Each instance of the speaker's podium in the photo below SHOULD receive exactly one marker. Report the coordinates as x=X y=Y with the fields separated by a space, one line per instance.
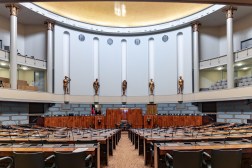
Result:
x=99 y=122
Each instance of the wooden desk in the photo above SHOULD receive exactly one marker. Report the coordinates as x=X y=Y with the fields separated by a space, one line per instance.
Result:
x=106 y=138
x=143 y=138
x=160 y=149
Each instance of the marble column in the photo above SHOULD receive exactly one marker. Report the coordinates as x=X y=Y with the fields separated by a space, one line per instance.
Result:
x=230 y=48
x=13 y=45
x=196 y=56
x=49 y=56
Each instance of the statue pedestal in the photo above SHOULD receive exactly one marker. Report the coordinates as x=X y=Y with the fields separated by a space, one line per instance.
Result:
x=180 y=98
x=151 y=98
x=66 y=98
x=96 y=98
x=124 y=99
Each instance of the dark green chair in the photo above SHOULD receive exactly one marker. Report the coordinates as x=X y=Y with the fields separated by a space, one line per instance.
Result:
x=184 y=159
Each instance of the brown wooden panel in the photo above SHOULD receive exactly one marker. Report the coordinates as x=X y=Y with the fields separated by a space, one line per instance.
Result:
x=151 y=109
x=99 y=122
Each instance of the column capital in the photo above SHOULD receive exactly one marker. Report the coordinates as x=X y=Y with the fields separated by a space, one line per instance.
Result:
x=230 y=11
x=196 y=26
x=13 y=9
x=49 y=24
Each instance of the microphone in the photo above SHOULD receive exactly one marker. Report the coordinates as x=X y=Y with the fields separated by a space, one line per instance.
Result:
x=195 y=140
x=73 y=137
x=42 y=143
x=11 y=140
x=229 y=133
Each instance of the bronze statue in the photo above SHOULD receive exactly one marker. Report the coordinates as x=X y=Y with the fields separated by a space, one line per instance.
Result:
x=151 y=86
x=66 y=81
x=180 y=85
x=96 y=86
x=124 y=87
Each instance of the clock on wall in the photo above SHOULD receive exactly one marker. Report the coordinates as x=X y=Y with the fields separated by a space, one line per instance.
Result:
x=81 y=37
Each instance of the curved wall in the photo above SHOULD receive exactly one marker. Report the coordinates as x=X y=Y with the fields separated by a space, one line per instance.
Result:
x=149 y=56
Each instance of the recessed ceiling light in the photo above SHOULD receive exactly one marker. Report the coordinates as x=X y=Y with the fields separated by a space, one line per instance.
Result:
x=245 y=68
x=3 y=63
x=24 y=68
x=219 y=68
x=239 y=64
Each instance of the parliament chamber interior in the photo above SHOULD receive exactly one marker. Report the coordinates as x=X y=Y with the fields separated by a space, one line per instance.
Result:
x=118 y=84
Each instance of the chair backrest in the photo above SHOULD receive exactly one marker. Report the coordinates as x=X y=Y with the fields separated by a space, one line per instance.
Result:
x=192 y=159
x=68 y=160
x=226 y=158
x=29 y=160
x=87 y=141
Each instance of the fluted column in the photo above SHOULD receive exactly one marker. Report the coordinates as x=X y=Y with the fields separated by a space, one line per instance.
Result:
x=13 y=45
x=230 y=47
x=196 y=56
x=49 y=56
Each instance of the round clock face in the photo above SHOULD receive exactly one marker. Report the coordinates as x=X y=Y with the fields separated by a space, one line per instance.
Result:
x=110 y=41
x=81 y=37
x=137 y=41
x=165 y=38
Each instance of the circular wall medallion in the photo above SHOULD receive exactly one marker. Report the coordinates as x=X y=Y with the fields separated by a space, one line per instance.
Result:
x=81 y=37
x=110 y=41
x=137 y=41
x=165 y=38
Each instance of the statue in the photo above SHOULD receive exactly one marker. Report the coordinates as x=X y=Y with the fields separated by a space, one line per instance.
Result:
x=66 y=81
x=151 y=86
x=96 y=86
x=124 y=87
x=180 y=85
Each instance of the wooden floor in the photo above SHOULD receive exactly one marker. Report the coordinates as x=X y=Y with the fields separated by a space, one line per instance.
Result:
x=125 y=155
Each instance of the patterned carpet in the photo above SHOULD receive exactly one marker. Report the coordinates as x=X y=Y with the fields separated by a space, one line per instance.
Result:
x=125 y=155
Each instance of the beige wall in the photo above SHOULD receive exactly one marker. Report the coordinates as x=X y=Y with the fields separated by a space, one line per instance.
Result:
x=4 y=73
x=26 y=75
x=209 y=77
x=243 y=73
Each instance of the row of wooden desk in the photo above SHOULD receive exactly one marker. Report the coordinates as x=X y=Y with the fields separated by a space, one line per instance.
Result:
x=62 y=140
x=143 y=139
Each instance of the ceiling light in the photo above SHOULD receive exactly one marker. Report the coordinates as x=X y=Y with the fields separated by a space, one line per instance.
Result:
x=24 y=68
x=219 y=68
x=245 y=68
x=3 y=63
x=119 y=9
x=239 y=64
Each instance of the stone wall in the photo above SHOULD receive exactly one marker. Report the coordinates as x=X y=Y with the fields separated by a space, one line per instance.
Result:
x=84 y=109
x=234 y=111
x=14 y=113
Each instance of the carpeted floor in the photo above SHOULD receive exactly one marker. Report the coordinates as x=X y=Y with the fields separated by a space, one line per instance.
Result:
x=125 y=155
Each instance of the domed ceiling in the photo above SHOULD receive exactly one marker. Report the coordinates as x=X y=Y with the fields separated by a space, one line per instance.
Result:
x=123 y=14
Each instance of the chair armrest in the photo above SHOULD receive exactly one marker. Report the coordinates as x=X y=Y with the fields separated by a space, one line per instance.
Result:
x=206 y=159
x=169 y=156
x=168 y=159
x=89 y=159
x=207 y=155
x=7 y=158
x=49 y=157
